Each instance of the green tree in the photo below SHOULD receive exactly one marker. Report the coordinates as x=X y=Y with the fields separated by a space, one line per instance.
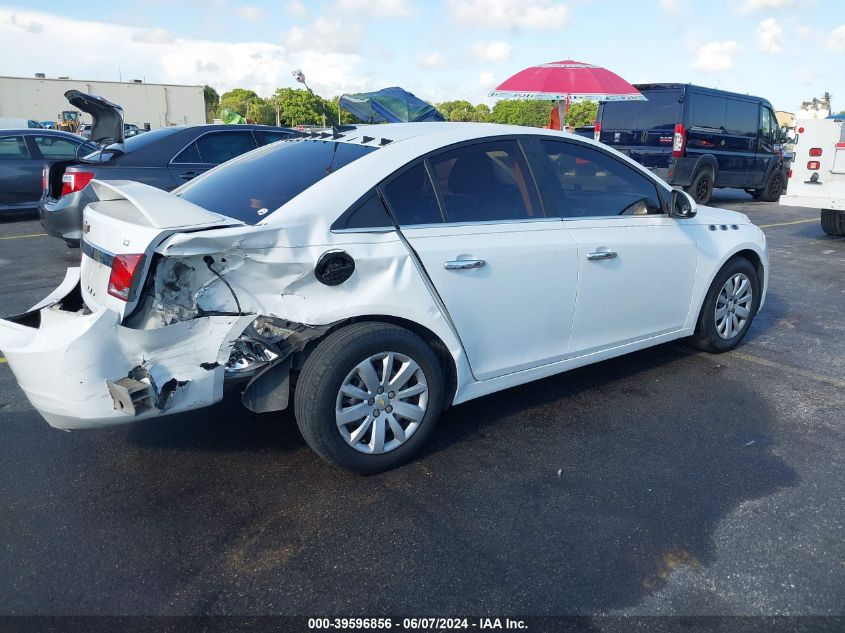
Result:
x=212 y=102
x=530 y=112
x=262 y=111
x=582 y=113
x=482 y=112
x=297 y=106
x=238 y=100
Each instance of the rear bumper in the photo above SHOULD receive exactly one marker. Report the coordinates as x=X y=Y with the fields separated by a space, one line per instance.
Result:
x=64 y=361
x=62 y=218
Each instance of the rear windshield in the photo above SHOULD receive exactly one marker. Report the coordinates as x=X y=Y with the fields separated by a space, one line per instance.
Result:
x=660 y=112
x=252 y=187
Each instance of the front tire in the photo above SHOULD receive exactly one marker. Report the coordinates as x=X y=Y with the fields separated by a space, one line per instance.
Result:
x=773 y=187
x=729 y=307
x=369 y=396
x=833 y=222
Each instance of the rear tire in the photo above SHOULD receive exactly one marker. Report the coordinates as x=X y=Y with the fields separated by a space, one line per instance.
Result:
x=833 y=222
x=384 y=428
x=773 y=187
x=726 y=315
x=701 y=187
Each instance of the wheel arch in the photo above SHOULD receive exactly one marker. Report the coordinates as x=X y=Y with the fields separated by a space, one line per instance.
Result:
x=744 y=251
x=707 y=161
x=433 y=340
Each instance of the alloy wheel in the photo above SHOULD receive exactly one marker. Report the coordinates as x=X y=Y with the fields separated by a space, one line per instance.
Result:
x=733 y=306
x=381 y=402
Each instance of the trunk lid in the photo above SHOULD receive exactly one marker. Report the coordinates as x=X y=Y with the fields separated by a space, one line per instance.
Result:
x=130 y=218
x=107 y=117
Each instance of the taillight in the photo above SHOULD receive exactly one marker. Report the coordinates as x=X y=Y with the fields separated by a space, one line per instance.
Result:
x=789 y=174
x=75 y=181
x=123 y=271
x=597 y=131
x=813 y=165
x=800 y=130
x=45 y=177
x=679 y=140
x=815 y=151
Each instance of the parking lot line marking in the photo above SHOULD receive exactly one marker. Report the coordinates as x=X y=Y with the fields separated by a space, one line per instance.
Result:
x=766 y=226
x=831 y=380
x=20 y=237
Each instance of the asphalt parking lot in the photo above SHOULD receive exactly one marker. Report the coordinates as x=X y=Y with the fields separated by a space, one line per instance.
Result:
x=669 y=481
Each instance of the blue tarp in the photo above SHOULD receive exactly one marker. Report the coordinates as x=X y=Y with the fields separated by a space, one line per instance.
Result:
x=389 y=105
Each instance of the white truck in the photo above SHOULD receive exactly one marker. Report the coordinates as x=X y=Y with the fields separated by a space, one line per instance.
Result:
x=817 y=174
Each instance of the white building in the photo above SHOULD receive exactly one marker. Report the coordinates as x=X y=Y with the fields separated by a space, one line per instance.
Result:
x=160 y=105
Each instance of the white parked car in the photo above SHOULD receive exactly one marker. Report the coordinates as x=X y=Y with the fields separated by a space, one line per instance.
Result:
x=377 y=276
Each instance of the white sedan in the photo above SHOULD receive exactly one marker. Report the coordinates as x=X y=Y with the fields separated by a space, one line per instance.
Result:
x=376 y=276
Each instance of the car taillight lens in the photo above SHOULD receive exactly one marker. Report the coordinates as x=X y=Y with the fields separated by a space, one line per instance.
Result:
x=815 y=151
x=597 y=131
x=789 y=174
x=45 y=177
x=813 y=165
x=75 y=181
x=123 y=271
x=679 y=140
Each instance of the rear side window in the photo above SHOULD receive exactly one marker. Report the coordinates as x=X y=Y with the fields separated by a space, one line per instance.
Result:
x=591 y=183
x=218 y=147
x=707 y=111
x=56 y=148
x=13 y=148
x=256 y=185
x=412 y=198
x=188 y=155
x=368 y=214
x=272 y=137
x=661 y=112
x=486 y=182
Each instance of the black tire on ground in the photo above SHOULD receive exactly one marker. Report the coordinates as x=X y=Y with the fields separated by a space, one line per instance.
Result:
x=773 y=188
x=701 y=187
x=706 y=337
x=325 y=370
x=833 y=222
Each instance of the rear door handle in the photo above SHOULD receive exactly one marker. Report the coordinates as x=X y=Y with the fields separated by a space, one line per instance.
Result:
x=188 y=175
x=464 y=264
x=598 y=255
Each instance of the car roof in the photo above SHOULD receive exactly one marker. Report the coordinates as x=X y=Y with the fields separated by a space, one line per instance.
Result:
x=35 y=131
x=713 y=91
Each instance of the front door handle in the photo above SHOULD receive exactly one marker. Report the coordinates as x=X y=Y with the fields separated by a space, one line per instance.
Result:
x=187 y=175
x=598 y=255
x=464 y=264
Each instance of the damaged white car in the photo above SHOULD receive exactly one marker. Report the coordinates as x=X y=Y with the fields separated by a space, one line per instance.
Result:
x=372 y=277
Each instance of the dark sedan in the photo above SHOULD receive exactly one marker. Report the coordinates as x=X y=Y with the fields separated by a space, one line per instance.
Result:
x=23 y=155
x=164 y=158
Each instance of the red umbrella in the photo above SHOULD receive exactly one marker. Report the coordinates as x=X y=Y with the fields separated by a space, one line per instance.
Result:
x=567 y=81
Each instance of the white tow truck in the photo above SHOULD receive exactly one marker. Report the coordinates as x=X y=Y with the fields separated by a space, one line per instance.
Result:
x=817 y=174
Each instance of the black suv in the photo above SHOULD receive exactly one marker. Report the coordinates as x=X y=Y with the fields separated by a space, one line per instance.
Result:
x=699 y=138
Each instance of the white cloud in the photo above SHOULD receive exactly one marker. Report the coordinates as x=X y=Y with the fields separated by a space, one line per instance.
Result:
x=512 y=14
x=751 y=6
x=716 y=56
x=433 y=60
x=487 y=80
x=323 y=34
x=296 y=8
x=13 y=20
x=495 y=51
x=249 y=13
x=836 y=39
x=672 y=7
x=377 y=8
x=803 y=31
x=57 y=49
x=156 y=35
x=769 y=36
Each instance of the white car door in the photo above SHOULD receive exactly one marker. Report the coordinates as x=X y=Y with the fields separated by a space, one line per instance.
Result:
x=506 y=274
x=636 y=265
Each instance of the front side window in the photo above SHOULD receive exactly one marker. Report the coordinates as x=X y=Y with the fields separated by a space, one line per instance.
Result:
x=255 y=186
x=486 y=182
x=13 y=148
x=588 y=183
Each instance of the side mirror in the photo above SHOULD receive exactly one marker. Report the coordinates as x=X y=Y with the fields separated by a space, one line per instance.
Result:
x=681 y=205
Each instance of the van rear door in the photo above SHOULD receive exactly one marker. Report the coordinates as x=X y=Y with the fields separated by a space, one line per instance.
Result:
x=643 y=129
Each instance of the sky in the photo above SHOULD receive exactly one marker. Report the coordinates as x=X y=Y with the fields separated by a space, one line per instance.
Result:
x=787 y=51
